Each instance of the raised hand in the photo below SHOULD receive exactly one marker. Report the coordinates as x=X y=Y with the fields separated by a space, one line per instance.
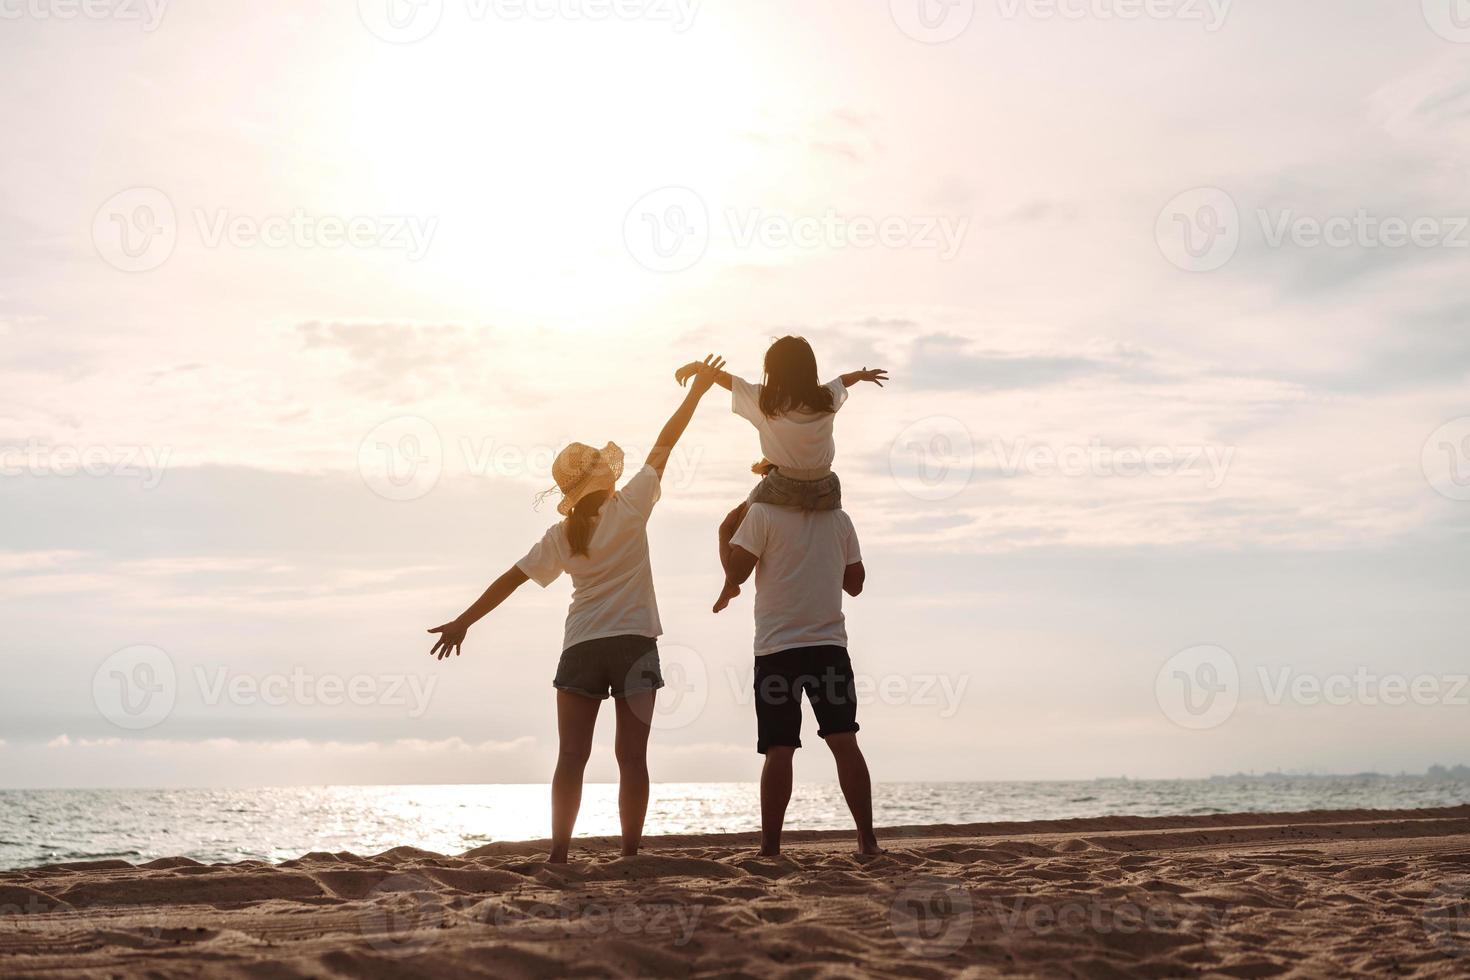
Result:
x=875 y=375
x=451 y=635
x=686 y=372
x=706 y=373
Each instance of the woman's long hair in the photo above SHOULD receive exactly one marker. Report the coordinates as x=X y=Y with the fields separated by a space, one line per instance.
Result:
x=791 y=383
x=581 y=522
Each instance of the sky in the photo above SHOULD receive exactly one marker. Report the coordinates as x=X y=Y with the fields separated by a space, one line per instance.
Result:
x=298 y=300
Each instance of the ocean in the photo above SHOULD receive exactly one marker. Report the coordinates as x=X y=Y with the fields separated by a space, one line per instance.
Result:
x=226 y=825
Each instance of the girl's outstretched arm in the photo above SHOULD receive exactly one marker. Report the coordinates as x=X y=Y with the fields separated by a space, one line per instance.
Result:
x=706 y=374
x=722 y=378
x=451 y=634
x=875 y=375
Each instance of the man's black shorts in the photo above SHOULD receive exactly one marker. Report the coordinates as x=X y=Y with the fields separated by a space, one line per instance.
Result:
x=824 y=673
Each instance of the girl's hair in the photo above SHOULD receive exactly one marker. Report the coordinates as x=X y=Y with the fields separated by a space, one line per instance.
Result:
x=580 y=523
x=791 y=383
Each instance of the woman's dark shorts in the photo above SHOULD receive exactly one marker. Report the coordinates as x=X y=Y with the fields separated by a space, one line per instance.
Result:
x=824 y=673
x=616 y=665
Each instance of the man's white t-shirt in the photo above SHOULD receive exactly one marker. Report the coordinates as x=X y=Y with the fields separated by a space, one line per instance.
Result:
x=796 y=440
x=798 y=583
x=612 y=585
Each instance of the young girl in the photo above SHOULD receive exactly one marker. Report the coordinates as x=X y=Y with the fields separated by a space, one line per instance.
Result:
x=610 y=645
x=793 y=412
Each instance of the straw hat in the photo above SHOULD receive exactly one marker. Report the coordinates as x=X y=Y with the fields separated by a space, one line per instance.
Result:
x=579 y=470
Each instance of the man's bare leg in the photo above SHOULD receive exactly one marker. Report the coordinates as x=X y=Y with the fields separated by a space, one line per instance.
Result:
x=775 y=794
x=857 y=788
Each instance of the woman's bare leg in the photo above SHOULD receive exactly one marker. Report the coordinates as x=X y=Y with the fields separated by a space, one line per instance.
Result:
x=634 y=713
x=576 y=717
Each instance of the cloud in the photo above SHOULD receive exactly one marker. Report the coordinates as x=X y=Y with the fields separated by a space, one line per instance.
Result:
x=944 y=362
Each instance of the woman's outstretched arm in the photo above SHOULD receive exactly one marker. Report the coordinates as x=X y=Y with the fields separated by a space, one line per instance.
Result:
x=706 y=375
x=722 y=378
x=451 y=634
x=875 y=375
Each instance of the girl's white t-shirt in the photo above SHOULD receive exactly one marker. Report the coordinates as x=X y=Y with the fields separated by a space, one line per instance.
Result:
x=795 y=440
x=612 y=585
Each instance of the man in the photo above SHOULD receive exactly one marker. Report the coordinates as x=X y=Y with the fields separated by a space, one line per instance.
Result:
x=803 y=562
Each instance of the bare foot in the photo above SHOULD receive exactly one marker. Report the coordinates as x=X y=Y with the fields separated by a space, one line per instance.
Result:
x=730 y=591
x=869 y=847
x=769 y=853
x=557 y=857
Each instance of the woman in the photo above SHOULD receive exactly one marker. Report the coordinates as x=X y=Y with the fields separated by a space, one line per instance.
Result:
x=610 y=644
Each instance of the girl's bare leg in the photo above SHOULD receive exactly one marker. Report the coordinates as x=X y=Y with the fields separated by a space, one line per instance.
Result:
x=728 y=527
x=634 y=713
x=576 y=717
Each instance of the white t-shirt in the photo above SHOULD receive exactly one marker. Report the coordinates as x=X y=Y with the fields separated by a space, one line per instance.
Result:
x=612 y=585
x=798 y=583
x=796 y=440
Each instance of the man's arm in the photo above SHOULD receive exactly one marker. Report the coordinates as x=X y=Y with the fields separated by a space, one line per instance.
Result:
x=853 y=577
x=875 y=375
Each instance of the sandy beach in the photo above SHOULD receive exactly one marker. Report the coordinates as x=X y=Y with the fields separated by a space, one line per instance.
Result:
x=1322 y=894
